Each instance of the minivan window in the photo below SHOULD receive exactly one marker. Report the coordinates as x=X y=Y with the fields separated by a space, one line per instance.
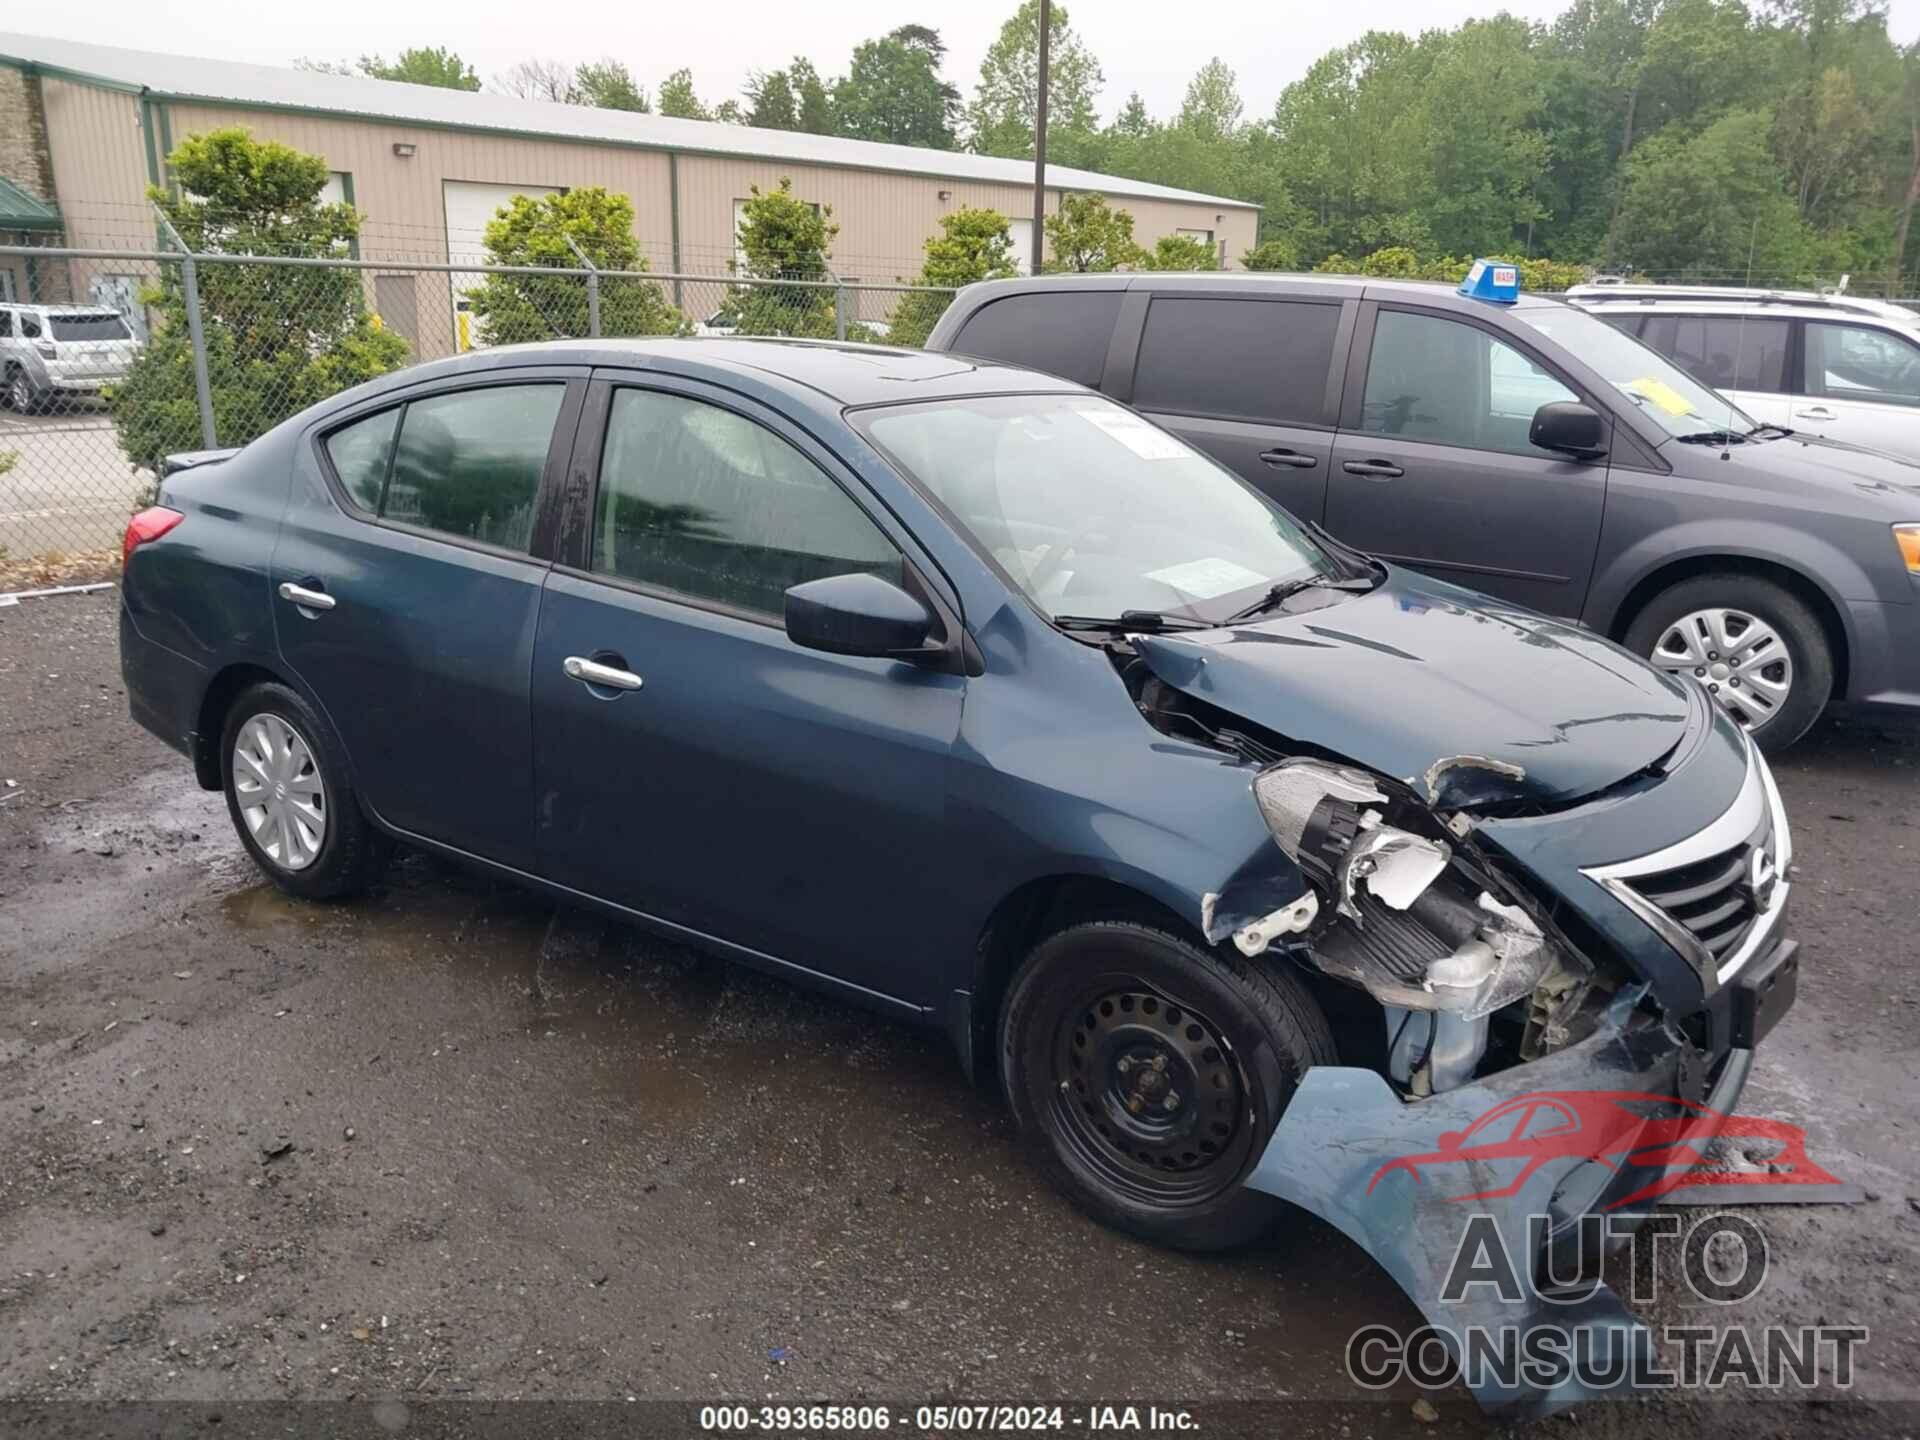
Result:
x=1091 y=510
x=1730 y=352
x=707 y=503
x=1064 y=332
x=1452 y=384
x=469 y=463
x=1258 y=360
x=1662 y=391
x=93 y=326
x=1853 y=362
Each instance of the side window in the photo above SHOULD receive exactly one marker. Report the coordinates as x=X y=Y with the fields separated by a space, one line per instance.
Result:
x=1853 y=362
x=6 y=324
x=706 y=503
x=1627 y=322
x=466 y=464
x=1728 y=352
x=360 y=453
x=1452 y=384
x=1064 y=332
x=29 y=325
x=1259 y=360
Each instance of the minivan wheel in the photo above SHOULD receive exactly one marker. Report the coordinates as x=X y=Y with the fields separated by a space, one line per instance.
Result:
x=287 y=791
x=1150 y=1072
x=1755 y=645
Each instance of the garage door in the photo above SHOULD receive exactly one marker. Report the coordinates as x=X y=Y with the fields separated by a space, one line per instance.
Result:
x=470 y=204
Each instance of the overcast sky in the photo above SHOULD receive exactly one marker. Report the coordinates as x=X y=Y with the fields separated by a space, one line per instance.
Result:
x=1145 y=45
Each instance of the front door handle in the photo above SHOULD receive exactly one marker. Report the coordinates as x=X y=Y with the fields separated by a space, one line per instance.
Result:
x=1374 y=469
x=1814 y=412
x=592 y=672
x=306 y=599
x=1288 y=459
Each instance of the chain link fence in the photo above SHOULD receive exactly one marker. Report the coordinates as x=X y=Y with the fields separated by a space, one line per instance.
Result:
x=110 y=360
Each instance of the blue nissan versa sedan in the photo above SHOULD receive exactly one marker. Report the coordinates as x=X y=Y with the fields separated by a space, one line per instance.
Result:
x=1243 y=862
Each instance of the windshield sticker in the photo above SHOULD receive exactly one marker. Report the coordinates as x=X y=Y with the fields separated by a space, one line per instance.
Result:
x=1205 y=579
x=1659 y=393
x=1136 y=434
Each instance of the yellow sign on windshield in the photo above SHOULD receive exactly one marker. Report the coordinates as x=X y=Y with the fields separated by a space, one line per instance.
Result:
x=1660 y=393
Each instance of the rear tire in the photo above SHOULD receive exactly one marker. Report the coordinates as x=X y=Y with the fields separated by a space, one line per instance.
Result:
x=1110 y=1012
x=1754 y=644
x=285 y=777
x=21 y=398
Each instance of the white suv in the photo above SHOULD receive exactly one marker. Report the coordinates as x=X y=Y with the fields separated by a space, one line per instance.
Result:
x=53 y=353
x=1838 y=366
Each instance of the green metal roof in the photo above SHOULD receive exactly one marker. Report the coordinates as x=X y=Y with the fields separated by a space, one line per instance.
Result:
x=20 y=211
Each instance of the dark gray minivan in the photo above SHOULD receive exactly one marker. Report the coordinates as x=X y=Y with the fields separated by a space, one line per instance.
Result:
x=1526 y=449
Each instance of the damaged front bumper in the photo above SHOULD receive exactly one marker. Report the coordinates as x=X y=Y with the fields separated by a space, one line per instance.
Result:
x=1343 y=1145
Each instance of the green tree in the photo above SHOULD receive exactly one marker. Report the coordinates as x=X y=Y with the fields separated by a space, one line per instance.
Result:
x=535 y=231
x=423 y=65
x=783 y=237
x=1088 y=234
x=1272 y=255
x=1001 y=117
x=972 y=245
x=771 y=102
x=893 y=91
x=1212 y=107
x=278 y=338
x=812 y=98
x=607 y=84
x=677 y=97
x=1712 y=206
x=1182 y=252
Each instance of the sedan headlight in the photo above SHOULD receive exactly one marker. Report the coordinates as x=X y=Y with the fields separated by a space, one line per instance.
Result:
x=1907 y=537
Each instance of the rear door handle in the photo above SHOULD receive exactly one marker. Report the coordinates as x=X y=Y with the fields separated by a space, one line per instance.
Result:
x=306 y=599
x=592 y=672
x=1290 y=459
x=1815 y=412
x=1377 y=469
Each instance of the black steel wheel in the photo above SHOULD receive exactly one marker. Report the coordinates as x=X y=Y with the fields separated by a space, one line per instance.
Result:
x=1151 y=1071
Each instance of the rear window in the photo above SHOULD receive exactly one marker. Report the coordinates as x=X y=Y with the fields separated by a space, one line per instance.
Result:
x=1262 y=360
x=99 y=325
x=1064 y=332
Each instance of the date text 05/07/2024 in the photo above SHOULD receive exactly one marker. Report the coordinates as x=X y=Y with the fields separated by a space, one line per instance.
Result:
x=985 y=1419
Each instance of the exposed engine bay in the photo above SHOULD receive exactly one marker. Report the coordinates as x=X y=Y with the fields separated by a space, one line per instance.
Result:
x=1470 y=975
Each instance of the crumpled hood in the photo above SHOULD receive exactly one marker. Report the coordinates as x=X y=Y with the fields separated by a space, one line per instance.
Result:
x=1468 y=700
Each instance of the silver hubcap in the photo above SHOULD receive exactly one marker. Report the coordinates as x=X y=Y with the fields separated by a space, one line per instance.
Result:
x=21 y=395
x=277 y=782
x=1739 y=657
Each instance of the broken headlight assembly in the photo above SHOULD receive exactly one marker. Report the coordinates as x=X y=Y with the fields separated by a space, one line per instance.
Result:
x=1401 y=907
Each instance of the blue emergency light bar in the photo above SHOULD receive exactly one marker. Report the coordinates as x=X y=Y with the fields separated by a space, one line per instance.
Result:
x=1492 y=281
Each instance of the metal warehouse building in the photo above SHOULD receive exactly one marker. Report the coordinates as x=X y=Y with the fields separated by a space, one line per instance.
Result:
x=84 y=129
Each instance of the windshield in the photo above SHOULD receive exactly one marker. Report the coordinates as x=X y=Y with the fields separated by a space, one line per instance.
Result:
x=95 y=325
x=1091 y=510
x=1665 y=393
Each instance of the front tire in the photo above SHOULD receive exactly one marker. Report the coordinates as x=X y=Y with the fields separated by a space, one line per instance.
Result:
x=1150 y=1073
x=285 y=777
x=1756 y=646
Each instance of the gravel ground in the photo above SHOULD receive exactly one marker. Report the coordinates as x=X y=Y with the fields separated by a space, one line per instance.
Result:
x=453 y=1143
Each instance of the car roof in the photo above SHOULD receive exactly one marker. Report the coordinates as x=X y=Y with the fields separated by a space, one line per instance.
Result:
x=1440 y=293
x=845 y=373
x=1730 y=300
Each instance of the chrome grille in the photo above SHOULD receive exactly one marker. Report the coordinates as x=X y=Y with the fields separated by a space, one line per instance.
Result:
x=1717 y=895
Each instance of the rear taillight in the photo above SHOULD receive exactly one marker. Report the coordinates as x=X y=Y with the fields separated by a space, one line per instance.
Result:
x=150 y=524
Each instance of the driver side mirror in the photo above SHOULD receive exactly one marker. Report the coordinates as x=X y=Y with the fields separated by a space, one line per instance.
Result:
x=1570 y=427
x=858 y=614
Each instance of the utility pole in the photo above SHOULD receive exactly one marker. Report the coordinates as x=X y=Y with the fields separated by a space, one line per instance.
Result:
x=1040 y=142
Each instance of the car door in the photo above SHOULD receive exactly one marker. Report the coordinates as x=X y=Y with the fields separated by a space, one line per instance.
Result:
x=731 y=782
x=1432 y=467
x=406 y=583
x=1744 y=357
x=1251 y=381
x=1862 y=385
